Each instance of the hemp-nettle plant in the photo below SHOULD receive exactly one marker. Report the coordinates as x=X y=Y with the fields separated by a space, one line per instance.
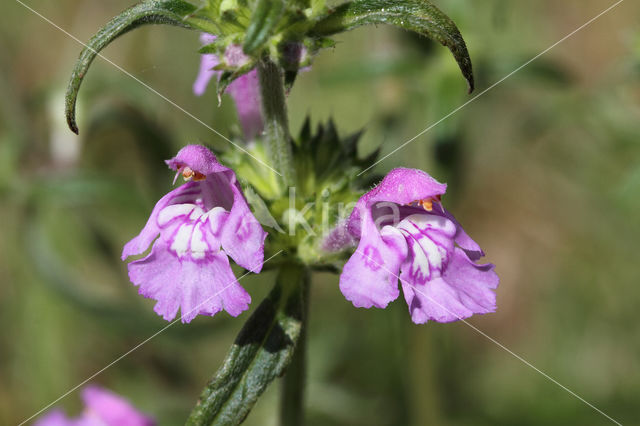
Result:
x=293 y=204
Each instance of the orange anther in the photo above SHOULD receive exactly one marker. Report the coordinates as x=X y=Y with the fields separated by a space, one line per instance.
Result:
x=187 y=174
x=427 y=203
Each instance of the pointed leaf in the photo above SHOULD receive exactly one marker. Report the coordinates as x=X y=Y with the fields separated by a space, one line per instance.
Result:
x=265 y=17
x=419 y=16
x=172 y=12
x=260 y=209
x=229 y=75
x=262 y=351
x=305 y=131
x=289 y=79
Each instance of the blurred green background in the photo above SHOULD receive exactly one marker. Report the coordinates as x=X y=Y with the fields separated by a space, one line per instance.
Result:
x=543 y=171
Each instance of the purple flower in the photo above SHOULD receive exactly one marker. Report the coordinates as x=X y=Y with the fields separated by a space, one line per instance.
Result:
x=245 y=90
x=200 y=223
x=406 y=234
x=102 y=408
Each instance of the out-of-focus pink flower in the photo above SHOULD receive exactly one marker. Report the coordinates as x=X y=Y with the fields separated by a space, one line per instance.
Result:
x=102 y=408
x=245 y=90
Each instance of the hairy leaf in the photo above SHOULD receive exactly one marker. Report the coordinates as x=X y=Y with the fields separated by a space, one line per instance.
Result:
x=419 y=16
x=171 y=12
x=261 y=352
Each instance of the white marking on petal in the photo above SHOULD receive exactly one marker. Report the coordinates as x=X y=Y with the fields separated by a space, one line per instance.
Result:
x=198 y=244
x=421 y=262
x=430 y=221
x=196 y=214
x=390 y=231
x=215 y=216
x=427 y=254
x=182 y=239
x=186 y=197
x=426 y=234
x=190 y=229
x=169 y=213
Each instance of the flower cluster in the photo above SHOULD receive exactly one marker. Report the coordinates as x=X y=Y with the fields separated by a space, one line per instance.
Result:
x=398 y=232
x=403 y=233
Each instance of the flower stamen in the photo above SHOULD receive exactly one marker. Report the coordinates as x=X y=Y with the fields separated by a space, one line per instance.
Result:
x=188 y=173
x=427 y=203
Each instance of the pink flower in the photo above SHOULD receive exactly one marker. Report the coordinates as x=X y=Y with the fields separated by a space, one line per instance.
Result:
x=405 y=233
x=245 y=90
x=199 y=225
x=102 y=408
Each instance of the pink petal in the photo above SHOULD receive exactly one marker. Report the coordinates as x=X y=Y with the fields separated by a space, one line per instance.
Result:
x=369 y=278
x=55 y=417
x=401 y=186
x=206 y=73
x=465 y=242
x=142 y=241
x=112 y=409
x=195 y=287
x=242 y=235
x=246 y=95
x=198 y=158
x=463 y=290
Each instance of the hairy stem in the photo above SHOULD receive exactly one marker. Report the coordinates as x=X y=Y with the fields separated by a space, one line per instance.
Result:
x=293 y=384
x=276 y=123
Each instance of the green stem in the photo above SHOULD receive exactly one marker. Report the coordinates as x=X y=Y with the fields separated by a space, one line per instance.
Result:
x=293 y=383
x=276 y=124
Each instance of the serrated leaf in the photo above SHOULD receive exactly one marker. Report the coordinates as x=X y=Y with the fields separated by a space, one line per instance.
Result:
x=171 y=12
x=262 y=351
x=419 y=16
x=264 y=19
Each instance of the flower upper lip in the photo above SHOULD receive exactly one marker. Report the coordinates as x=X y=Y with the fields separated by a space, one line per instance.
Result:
x=198 y=159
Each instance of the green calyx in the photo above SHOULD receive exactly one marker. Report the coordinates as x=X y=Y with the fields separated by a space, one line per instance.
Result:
x=325 y=189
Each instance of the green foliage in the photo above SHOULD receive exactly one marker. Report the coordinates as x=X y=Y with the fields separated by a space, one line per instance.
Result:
x=266 y=16
x=543 y=172
x=266 y=28
x=170 y=12
x=327 y=182
x=263 y=350
x=419 y=16
x=328 y=160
